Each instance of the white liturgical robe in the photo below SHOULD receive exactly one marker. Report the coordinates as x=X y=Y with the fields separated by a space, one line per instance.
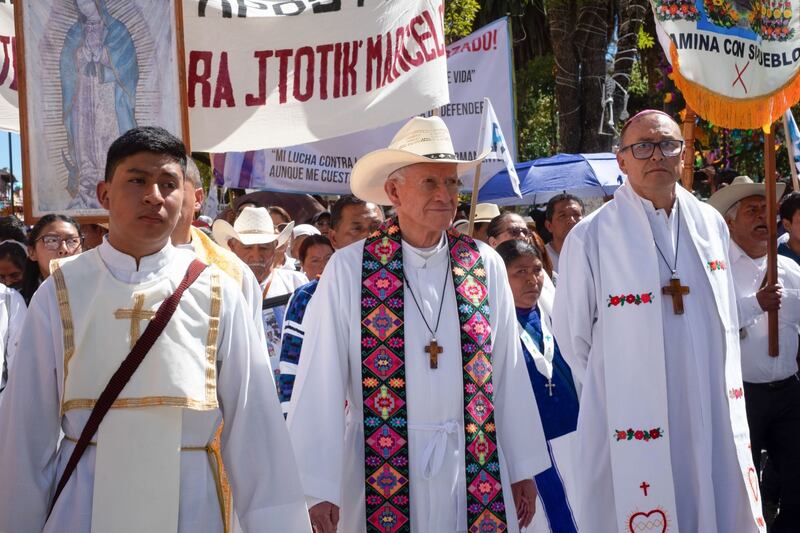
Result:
x=709 y=490
x=255 y=446
x=328 y=438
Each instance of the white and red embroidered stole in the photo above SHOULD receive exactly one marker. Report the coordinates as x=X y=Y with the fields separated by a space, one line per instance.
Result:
x=635 y=372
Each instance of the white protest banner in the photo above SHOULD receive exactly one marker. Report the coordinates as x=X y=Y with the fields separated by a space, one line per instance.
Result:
x=9 y=100
x=479 y=65
x=281 y=73
x=736 y=62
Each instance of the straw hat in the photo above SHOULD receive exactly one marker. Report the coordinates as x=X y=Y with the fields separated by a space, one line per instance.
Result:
x=741 y=187
x=421 y=140
x=252 y=226
x=483 y=213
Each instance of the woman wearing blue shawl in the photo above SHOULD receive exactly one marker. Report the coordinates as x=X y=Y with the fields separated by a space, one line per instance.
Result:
x=551 y=379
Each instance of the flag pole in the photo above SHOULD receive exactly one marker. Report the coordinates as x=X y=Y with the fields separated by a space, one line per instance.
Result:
x=474 y=202
x=790 y=150
x=772 y=235
x=687 y=179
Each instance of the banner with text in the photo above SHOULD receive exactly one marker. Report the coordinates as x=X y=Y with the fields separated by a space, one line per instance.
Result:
x=735 y=62
x=478 y=66
x=272 y=74
x=9 y=100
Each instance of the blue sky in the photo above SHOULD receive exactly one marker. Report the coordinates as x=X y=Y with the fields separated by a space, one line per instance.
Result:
x=15 y=154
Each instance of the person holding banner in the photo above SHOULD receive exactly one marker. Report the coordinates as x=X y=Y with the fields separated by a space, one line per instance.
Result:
x=441 y=432
x=646 y=314
x=137 y=387
x=771 y=385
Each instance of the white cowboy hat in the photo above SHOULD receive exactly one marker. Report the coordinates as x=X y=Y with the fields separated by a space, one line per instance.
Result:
x=483 y=213
x=421 y=140
x=741 y=187
x=304 y=229
x=252 y=226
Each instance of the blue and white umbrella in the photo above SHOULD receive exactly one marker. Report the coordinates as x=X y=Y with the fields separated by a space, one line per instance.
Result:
x=584 y=175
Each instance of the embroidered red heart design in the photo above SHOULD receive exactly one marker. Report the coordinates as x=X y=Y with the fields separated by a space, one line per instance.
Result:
x=752 y=479
x=653 y=521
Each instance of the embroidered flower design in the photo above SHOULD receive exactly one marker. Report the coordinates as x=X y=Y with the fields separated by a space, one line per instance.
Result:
x=471 y=428
x=638 y=434
x=736 y=394
x=470 y=388
x=369 y=342
x=395 y=343
x=373 y=461
x=374 y=500
x=370 y=383
x=630 y=299
x=713 y=266
x=397 y=383
x=369 y=302
x=400 y=499
x=489 y=427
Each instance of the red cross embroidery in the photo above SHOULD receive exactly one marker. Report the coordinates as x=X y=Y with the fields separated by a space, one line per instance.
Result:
x=739 y=74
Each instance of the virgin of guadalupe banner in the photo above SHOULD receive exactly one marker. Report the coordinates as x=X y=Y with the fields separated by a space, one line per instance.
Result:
x=282 y=73
x=93 y=69
x=735 y=61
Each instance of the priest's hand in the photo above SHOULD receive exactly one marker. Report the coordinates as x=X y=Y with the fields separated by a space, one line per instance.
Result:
x=769 y=297
x=524 y=500
x=324 y=517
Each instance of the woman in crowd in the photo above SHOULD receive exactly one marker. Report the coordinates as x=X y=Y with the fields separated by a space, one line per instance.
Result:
x=314 y=254
x=13 y=256
x=52 y=237
x=509 y=225
x=551 y=379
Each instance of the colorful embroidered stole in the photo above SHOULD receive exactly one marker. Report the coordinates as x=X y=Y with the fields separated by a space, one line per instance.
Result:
x=386 y=456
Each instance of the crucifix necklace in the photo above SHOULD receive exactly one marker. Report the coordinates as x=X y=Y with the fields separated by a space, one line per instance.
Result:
x=433 y=349
x=674 y=289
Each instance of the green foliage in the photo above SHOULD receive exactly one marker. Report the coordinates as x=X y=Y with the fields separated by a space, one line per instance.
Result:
x=537 y=125
x=459 y=17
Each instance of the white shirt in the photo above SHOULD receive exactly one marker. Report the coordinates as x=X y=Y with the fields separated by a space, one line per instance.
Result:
x=329 y=440
x=757 y=365
x=255 y=445
x=12 y=316
x=553 y=255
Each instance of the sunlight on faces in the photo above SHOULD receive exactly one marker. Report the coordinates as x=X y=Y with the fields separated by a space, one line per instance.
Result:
x=144 y=200
x=356 y=223
x=749 y=227
x=259 y=257
x=425 y=195
x=514 y=227
x=526 y=277
x=42 y=255
x=317 y=256
x=656 y=173
x=10 y=274
x=566 y=214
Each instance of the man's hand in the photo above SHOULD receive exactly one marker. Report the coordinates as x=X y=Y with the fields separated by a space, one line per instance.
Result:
x=769 y=298
x=324 y=517
x=524 y=500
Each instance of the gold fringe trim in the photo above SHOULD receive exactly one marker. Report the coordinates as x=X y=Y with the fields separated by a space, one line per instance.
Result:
x=67 y=328
x=735 y=113
x=148 y=401
x=211 y=340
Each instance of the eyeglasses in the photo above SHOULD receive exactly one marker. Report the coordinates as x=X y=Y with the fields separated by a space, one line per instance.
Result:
x=644 y=150
x=53 y=242
x=518 y=231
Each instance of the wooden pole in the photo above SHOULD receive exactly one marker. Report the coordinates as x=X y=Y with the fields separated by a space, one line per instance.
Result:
x=772 y=235
x=474 y=202
x=687 y=179
x=790 y=151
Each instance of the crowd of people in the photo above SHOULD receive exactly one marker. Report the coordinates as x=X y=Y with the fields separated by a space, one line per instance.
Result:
x=376 y=369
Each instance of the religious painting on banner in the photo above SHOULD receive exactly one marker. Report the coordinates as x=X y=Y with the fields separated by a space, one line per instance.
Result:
x=91 y=70
x=735 y=61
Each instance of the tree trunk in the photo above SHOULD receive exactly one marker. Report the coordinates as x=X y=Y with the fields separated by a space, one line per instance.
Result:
x=562 y=21
x=632 y=14
x=592 y=36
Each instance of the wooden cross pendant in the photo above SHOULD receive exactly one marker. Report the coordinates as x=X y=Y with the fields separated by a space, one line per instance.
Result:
x=434 y=350
x=550 y=386
x=135 y=315
x=676 y=290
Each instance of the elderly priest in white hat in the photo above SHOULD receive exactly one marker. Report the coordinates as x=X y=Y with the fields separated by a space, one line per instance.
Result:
x=254 y=240
x=414 y=333
x=771 y=386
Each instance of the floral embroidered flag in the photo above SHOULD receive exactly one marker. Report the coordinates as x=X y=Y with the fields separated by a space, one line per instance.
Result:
x=735 y=61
